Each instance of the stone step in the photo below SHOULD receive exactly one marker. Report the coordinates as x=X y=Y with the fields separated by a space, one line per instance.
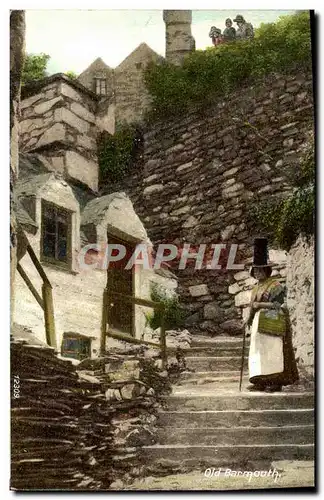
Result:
x=219 y=363
x=201 y=378
x=224 y=456
x=210 y=351
x=237 y=435
x=230 y=418
x=221 y=341
x=199 y=399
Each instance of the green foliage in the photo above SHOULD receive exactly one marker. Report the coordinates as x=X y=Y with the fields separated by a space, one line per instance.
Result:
x=35 y=67
x=71 y=75
x=174 y=315
x=216 y=71
x=117 y=153
x=284 y=219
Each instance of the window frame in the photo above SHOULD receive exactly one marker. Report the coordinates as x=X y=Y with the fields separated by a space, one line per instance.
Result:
x=100 y=81
x=65 y=264
x=78 y=354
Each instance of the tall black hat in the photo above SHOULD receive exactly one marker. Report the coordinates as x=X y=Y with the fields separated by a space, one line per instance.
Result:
x=260 y=255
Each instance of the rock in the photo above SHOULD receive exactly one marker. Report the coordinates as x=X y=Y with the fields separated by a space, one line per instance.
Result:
x=86 y=142
x=66 y=116
x=242 y=275
x=180 y=211
x=55 y=133
x=150 y=392
x=40 y=109
x=250 y=282
x=234 y=326
x=191 y=222
x=235 y=188
x=212 y=311
x=243 y=298
x=117 y=485
x=130 y=391
x=228 y=232
x=82 y=112
x=184 y=166
x=193 y=319
x=198 y=290
x=233 y=289
x=230 y=172
x=140 y=437
x=155 y=188
x=151 y=178
x=210 y=326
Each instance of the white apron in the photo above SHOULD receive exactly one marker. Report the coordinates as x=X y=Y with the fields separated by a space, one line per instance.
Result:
x=266 y=352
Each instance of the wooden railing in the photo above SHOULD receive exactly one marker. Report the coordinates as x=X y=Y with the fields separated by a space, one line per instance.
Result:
x=108 y=298
x=46 y=300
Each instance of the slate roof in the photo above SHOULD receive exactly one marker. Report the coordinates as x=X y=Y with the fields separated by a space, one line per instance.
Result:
x=30 y=165
x=30 y=186
x=23 y=217
x=143 y=51
x=96 y=209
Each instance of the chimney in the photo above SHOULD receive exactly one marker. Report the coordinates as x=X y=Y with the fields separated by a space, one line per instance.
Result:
x=178 y=39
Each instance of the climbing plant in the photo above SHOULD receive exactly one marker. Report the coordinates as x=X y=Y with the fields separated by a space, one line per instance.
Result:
x=117 y=153
x=216 y=71
x=284 y=219
x=174 y=314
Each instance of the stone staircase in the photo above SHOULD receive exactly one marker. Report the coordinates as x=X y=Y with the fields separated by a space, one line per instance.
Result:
x=207 y=422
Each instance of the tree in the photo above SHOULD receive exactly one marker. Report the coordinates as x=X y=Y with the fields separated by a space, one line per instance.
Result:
x=71 y=75
x=35 y=67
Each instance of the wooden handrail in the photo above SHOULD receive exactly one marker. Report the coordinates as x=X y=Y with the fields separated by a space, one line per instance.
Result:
x=46 y=301
x=38 y=265
x=136 y=300
x=30 y=285
x=109 y=295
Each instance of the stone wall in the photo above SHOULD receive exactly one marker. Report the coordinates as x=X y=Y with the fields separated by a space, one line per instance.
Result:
x=200 y=172
x=62 y=120
x=178 y=38
x=300 y=301
x=17 y=48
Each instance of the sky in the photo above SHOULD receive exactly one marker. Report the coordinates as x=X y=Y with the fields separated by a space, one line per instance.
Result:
x=75 y=38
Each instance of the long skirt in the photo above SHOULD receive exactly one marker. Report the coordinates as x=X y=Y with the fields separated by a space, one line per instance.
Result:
x=271 y=358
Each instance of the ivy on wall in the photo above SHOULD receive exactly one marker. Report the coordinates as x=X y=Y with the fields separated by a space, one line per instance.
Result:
x=277 y=47
x=117 y=153
x=284 y=219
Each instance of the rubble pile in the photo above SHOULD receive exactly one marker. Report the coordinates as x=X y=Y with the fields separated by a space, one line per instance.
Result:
x=61 y=431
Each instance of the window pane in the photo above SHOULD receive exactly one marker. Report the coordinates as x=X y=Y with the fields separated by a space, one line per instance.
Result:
x=49 y=211
x=49 y=226
x=62 y=249
x=49 y=245
x=71 y=344
x=62 y=229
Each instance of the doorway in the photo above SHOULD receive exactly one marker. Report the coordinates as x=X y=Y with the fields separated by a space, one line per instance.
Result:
x=121 y=315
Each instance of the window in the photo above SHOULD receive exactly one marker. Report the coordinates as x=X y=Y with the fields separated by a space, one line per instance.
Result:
x=56 y=234
x=76 y=346
x=100 y=85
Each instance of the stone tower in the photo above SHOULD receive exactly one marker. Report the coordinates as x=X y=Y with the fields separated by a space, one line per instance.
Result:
x=178 y=38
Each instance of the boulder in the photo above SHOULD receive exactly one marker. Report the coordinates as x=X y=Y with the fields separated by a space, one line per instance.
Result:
x=232 y=326
x=212 y=311
x=198 y=290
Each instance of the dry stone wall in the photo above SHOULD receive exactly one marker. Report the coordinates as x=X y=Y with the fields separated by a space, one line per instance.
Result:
x=300 y=301
x=201 y=170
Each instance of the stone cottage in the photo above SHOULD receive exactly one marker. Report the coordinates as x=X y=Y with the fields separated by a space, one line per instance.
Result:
x=60 y=210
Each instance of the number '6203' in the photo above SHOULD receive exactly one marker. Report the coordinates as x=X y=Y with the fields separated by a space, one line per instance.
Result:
x=16 y=386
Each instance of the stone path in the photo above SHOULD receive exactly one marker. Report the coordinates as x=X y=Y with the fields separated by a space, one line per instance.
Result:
x=208 y=424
